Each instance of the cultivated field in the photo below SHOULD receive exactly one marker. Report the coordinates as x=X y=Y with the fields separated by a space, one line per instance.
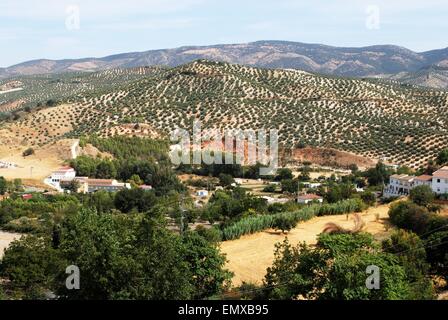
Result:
x=250 y=256
x=373 y=119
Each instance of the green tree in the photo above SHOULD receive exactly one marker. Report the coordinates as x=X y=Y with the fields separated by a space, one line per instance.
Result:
x=30 y=265
x=271 y=188
x=442 y=158
x=369 y=198
x=422 y=195
x=284 y=174
x=284 y=223
x=3 y=186
x=226 y=180
x=207 y=264
x=410 y=249
x=334 y=270
x=28 y=152
x=378 y=175
x=134 y=199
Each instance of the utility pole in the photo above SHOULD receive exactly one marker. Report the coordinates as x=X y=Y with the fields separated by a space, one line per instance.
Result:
x=182 y=214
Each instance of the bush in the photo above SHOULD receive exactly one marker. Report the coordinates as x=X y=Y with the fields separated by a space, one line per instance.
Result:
x=284 y=223
x=368 y=198
x=422 y=195
x=270 y=188
x=410 y=216
x=28 y=152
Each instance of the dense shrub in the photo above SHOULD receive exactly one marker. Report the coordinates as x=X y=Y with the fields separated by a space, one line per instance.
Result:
x=422 y=195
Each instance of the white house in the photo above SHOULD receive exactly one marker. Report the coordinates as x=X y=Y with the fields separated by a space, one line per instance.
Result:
x=440 y=181
x=400 y=185
x=62 y=174
x=312 y=185
x=271 y=200
x=308 y=198
x=424 y=180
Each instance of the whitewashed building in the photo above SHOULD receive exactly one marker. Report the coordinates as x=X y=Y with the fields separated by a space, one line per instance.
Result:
x=62 y=174
x=309 y=198
x=399 y=185
x=424 y=180
x=440 y=181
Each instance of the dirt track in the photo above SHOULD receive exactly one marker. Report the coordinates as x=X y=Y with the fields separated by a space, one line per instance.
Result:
x=250 y=256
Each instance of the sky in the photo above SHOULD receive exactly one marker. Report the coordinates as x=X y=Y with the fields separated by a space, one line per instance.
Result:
x=59 y=29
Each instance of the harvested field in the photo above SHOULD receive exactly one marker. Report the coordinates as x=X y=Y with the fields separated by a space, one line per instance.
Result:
x=250 y=256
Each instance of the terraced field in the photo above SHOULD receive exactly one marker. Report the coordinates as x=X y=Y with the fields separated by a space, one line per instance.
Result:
x=405 y=124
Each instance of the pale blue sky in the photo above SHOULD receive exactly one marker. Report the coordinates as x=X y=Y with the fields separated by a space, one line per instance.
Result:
x=31 y=29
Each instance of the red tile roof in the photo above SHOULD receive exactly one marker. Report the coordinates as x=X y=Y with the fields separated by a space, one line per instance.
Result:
x=310 y=197
x=424 y=177
x=442 y=173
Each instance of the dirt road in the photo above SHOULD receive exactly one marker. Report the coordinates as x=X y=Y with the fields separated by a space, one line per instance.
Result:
x=250 y=256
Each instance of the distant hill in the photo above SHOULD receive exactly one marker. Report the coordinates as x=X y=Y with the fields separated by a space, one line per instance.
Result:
x=352 y=62
x=433 y=76
x=372 y=118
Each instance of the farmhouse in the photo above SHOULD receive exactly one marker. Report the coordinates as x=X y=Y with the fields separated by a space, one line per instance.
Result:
x=94 y=185
x=85 y=184
x=400 y=185
x=64 y=173
x=440 y=181
x=271 y=200
x=308 y=198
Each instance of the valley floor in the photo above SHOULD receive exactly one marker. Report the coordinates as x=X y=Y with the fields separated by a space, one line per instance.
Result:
x=250 y=256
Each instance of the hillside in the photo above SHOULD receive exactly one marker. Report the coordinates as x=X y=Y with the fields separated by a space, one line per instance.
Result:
x=374 y=119
x=340 y=61
x=432 y=77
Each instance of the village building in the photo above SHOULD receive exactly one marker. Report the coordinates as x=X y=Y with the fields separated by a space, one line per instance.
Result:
x=309 y=198
x=424 y=180
x=272 y=200
x=440 y=181
x=400 y=185
x=109 y=185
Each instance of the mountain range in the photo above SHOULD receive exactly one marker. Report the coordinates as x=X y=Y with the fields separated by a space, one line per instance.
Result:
x=428 y=68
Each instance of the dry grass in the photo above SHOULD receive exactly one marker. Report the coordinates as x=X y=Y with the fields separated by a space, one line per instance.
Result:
x=250 y=256
x=37 y=167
